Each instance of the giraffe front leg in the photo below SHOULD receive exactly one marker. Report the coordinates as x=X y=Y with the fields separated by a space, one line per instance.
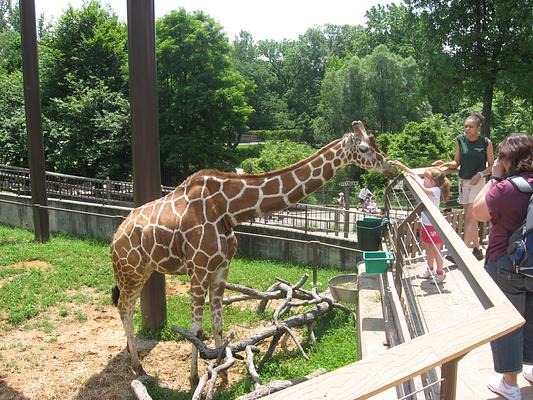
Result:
x=216 y=294
x=198 y=294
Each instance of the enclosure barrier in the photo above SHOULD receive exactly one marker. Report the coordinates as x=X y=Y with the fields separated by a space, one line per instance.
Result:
x=441 y=348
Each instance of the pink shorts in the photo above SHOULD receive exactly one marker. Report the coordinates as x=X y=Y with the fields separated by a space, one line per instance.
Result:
x=428 y=235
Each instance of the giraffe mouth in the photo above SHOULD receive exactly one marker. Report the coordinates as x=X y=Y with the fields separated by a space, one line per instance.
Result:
x=389 y=170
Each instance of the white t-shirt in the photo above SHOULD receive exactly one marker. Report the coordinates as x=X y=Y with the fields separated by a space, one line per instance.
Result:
x=435 y=198
x=364 y=193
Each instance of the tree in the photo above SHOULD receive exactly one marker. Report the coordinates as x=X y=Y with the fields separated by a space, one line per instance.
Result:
x=381 y=89
x=12 y=120
x=265 y=96
x=202 y=98
x=393 y=26
x=419 y=144
x=277 y=155
x=487 y=39
x=10 y=53
x=86 y=45
x=91 y=134
x=85 y=106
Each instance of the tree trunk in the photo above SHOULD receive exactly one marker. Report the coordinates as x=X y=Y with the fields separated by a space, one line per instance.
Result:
x=488 y=95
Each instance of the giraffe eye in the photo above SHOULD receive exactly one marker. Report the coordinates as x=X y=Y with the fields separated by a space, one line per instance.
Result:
x=363 y=148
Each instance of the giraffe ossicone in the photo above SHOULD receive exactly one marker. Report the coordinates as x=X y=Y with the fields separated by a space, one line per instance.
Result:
x=191 y=230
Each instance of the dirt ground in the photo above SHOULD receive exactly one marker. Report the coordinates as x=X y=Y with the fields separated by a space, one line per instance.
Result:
x=70 y=357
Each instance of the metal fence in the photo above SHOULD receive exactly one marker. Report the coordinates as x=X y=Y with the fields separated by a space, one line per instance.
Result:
x=71 y=187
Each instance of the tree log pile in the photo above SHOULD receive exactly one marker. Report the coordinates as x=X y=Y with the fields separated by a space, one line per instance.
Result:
x=224 y=357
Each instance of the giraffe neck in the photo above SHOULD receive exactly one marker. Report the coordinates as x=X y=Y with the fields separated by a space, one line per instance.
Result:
x=252 y=195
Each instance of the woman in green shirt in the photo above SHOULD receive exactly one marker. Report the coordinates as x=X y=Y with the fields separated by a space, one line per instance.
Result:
x=474 y=156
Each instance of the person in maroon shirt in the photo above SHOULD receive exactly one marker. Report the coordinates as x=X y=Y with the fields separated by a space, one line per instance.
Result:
x=506 y=208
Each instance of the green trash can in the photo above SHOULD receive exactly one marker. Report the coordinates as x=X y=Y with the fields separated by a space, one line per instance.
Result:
x=372 y=219
x=369 y=233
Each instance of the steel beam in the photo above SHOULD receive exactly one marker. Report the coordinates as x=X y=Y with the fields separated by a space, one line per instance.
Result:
x=145 y=136
x=32 y=103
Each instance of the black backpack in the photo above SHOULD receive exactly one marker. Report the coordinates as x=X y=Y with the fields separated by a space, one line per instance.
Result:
x=520 y=245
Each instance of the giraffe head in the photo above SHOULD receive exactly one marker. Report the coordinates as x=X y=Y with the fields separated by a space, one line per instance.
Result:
x=361 y=149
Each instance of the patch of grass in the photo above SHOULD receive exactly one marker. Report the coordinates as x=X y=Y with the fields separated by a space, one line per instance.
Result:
x=45 y=325
x=80 y=316
x=63 y=311
x=75 y=264
x=11 y=366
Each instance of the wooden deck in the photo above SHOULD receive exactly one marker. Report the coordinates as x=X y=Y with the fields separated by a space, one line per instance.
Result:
x=456 y=301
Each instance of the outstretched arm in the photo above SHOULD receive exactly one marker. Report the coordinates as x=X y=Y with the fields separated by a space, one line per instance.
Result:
x=450 y=165
x=412 y=174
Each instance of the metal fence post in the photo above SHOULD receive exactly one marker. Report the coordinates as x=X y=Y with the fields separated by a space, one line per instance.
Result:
x=108 y=189
x=306 y=218
x=346 y=211
x=315 y=245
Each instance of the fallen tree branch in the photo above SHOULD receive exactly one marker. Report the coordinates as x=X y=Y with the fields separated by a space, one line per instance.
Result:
x=296 y=342
x=217 y=370
x=139 y=388
x=256 y=380
x=321 y=303
x=276 y=386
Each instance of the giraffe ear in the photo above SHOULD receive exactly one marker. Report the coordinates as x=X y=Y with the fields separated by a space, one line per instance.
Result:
x=358 y=128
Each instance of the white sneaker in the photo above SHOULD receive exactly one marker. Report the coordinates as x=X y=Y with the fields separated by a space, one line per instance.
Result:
x=438 y=279
x=499 y=386
x=427 y=274
x=527 y=372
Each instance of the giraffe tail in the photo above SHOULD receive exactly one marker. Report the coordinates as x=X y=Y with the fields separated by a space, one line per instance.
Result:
x=115 y=292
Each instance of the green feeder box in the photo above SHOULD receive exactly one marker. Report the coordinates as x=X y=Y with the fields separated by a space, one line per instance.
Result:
x=376 y=262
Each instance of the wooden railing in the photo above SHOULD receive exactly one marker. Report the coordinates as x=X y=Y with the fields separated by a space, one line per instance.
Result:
x=401 y=363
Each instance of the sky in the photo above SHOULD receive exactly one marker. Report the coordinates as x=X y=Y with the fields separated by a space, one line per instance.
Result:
x=271 y=19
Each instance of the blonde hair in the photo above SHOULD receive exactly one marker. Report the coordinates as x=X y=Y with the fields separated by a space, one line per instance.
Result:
x=440 y=180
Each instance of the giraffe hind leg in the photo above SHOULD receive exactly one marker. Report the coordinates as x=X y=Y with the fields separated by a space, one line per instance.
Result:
x=217 y=286
x=126 y=305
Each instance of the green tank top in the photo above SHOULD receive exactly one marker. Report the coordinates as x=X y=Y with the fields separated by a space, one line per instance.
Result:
x=473 y=156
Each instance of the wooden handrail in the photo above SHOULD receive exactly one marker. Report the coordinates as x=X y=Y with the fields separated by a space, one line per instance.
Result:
x=398 y=364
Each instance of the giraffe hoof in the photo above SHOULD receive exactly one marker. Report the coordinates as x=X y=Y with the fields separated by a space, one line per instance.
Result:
x=139 y=371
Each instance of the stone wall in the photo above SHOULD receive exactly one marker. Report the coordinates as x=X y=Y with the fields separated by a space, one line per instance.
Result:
x=278 y=246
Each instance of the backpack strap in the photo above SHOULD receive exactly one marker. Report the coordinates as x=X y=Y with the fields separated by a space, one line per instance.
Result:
x=521 y=184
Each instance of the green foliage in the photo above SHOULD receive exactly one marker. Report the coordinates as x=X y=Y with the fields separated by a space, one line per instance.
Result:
x=90 y=134
x=293 y=135
x=382 y=89
x=419 y=144
x=276 y=155
x=486 y=41
x=86 y=45
x=510 y=115
x=12 y=120
x=202 y=98
x=85 y=105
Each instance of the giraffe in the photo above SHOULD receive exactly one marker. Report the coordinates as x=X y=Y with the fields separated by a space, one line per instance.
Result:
x=191 y=230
